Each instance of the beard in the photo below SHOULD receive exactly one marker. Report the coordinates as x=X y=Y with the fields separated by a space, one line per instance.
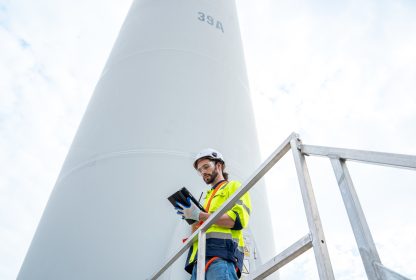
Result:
x=210 y=178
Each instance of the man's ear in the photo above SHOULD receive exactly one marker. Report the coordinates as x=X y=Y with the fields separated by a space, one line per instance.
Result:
x=219 y=164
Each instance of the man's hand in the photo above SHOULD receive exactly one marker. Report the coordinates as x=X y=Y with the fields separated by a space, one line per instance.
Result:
x=188 y=212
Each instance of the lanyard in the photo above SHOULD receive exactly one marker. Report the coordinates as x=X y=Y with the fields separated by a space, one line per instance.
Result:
x=213 y=194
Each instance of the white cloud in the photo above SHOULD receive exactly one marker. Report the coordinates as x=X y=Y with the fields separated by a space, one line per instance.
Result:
x=341 y=74
x=51 y=57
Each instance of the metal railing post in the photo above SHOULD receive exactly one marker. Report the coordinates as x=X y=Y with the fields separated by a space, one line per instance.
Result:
x=363 y=237
x=201 y=255
x=315 y=226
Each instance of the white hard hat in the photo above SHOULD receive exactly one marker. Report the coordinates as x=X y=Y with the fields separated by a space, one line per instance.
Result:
x=208 y=153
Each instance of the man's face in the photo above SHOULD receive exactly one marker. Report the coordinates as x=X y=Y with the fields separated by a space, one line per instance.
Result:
x=208 y=170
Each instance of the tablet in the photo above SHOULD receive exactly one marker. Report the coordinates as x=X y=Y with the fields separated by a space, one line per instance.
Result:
x=181 y=197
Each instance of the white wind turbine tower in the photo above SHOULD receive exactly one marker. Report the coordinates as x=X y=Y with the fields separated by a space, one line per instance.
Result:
x=175 y=83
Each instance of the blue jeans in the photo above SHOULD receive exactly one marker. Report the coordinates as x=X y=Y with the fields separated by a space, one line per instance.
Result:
x=218 y=270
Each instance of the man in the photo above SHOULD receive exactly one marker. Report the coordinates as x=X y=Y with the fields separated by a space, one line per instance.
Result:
x=225 y=243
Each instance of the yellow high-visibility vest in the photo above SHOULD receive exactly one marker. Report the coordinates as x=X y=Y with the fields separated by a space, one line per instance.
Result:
x=224 y=242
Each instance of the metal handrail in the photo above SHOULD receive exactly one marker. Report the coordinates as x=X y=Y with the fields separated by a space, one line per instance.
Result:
x=315 y=238
x=246 y=186
x=286 y=256
x=338 y=157
x=387 y=159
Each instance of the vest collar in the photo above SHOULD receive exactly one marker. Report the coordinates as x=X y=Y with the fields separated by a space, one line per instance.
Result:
x=213 y=187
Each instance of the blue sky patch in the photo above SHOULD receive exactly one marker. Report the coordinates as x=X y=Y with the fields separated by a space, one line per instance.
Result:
x=24 y=44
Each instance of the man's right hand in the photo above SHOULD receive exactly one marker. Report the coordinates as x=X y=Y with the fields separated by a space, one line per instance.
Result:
x=190 y=212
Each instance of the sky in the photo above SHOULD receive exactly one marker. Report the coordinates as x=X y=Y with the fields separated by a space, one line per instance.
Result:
x=340 y=73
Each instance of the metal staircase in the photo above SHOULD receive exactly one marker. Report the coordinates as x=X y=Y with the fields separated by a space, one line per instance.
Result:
x=315 y=239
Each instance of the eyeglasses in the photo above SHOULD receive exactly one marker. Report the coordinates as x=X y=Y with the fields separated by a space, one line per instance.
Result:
x=205 y=167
